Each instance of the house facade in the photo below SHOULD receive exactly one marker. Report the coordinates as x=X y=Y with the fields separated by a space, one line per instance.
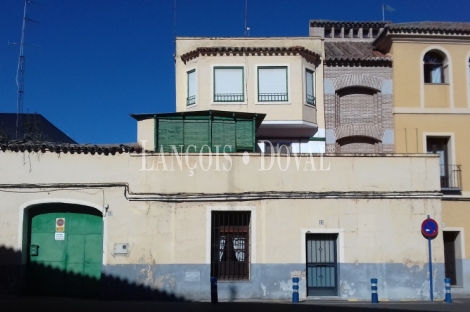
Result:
x=236 y=183
x=123 y=222
x=279 y=77
x=431 y=115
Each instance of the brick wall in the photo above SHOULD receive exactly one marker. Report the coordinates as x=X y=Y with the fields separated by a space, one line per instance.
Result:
x=359 y=109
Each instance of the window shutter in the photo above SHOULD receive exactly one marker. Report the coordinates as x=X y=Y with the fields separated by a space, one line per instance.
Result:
x=191 y=83
x=228 y=80
x=223 y=133
x=170 y=132
x=196 y=132
x=245 y=135
x=272 y=80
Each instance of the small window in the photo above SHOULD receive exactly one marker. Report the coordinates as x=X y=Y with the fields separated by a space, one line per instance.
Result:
x=310 y=87
x=337 y=32
x=365 y=33
x=433 y=68
x=272 y=84
x=228 y=84
x=230 y=245
x=355 y=33
x=327 y=32
x=468 y=68
x=375 y=32
x=191 y=99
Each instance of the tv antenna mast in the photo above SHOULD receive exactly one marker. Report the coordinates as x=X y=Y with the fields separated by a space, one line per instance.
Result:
x=247 y=29
x=20 y=73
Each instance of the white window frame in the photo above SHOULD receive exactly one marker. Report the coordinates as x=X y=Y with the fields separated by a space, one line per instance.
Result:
x=288 y=84
x=212 y=85
x=195 y=86
x=307 y=69
x=450 y=74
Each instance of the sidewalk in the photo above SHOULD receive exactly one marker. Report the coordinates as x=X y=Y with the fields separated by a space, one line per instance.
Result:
x=86 y=305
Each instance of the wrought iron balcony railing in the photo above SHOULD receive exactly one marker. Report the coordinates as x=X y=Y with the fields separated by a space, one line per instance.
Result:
x=229 y=97
x=310 y=99
x=272 y=97
x=191 y=100
x=451 y=179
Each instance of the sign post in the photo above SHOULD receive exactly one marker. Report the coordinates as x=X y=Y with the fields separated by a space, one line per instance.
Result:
x=429 y=228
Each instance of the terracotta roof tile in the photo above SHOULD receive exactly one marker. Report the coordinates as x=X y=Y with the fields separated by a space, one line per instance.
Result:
x=248 y=51
x=353 y=51
x=102 y=149
x=352 y=24
x=432 y=26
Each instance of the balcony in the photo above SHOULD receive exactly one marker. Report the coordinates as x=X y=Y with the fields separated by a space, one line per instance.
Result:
x=451 y=179
x=191 y=100
x=229 y=97
x=272 y=97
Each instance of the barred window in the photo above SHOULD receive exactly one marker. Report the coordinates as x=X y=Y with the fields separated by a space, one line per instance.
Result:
x=230 y=241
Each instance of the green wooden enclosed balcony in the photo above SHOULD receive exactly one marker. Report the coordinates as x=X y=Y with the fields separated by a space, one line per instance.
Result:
x=205 y=131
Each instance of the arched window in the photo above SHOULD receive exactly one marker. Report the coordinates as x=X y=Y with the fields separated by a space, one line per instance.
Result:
x=468 y=68
x=434 y=67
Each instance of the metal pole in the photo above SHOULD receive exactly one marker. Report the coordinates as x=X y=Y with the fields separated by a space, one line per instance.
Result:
x=295 y=289
x=448 y=297
x=373 y=288
x=430 y=269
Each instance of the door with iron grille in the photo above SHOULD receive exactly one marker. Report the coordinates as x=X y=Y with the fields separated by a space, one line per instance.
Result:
x=322 y=265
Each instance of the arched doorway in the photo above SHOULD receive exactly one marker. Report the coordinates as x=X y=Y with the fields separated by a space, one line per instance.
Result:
x=65 y=250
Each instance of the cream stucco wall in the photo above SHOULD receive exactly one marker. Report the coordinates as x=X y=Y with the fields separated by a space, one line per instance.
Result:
x=374 y=203
x=370 y=230
x=145 y=173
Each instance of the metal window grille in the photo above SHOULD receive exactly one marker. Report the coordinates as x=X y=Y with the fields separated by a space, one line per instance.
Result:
x=228 y=97
x=451 y=177
x=272 y=97
x=230 y=245
x=310 y=99
x=191 y=100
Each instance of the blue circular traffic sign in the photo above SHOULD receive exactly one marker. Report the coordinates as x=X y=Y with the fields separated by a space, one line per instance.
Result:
x=429 y=228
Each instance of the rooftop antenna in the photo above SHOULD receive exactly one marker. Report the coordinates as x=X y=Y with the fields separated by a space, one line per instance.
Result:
x=174 y=30
x=388 y=8
x=247 y=29
x=20 y=73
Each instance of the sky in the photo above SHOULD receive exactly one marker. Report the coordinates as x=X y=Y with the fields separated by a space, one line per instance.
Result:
x=91 y=63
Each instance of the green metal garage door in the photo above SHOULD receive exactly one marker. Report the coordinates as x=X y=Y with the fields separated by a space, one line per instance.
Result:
x=65 y=253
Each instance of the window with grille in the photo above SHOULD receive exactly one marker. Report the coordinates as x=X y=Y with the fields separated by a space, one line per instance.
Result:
x=309 y=87
x=230 y=245
x=191 y=99
x=272 y=84
x=228 y=84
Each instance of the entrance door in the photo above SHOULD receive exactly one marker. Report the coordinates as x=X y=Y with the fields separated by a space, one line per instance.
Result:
x=65 y=251
x=449 y=256
x=321 y=265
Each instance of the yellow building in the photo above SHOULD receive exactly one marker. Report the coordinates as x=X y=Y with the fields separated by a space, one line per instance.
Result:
x=432 y=115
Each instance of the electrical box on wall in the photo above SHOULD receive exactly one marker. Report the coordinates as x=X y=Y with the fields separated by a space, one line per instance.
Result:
x=34 y=250
x=121 y=249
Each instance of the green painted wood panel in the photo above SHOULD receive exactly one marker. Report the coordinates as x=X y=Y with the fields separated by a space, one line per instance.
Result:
x=245 y=135
x=66 y=267
x=223 y=135
x=170 y=132
x=196 y=132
